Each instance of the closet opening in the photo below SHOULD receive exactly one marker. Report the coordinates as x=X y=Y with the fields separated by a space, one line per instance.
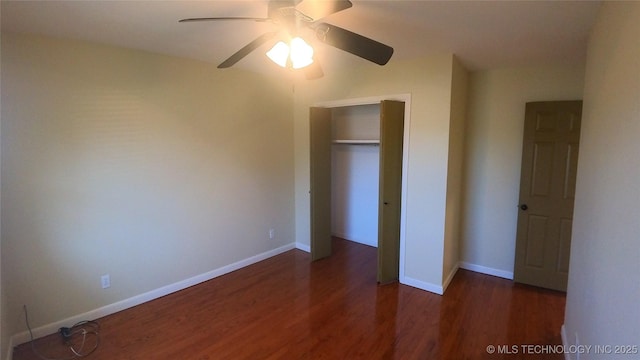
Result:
x=355 y=168
x=356 y=179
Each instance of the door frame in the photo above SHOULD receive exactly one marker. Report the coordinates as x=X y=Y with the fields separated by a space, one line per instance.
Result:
x=373 y=100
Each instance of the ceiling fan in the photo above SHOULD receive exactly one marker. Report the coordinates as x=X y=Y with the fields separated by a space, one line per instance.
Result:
x=290 y=20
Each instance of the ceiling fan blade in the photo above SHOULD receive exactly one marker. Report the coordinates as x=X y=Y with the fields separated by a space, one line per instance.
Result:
x=313 y=71
x=246 y=50
x=224 y=19
x=320 y=9
x=353 y=43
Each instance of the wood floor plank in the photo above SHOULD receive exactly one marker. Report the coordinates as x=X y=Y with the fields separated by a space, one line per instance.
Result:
x=287 y=307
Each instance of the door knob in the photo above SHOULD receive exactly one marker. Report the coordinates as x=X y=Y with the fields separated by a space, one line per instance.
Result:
x=524 y=207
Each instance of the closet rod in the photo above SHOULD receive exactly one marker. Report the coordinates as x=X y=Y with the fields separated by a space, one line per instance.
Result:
x=357 y=142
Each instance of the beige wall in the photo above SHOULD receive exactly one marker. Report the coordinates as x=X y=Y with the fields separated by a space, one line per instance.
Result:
x=603 y=292
x=4 y=331
x=428 y=80
x=454 y=210
x=493 y=156
x=150 y=168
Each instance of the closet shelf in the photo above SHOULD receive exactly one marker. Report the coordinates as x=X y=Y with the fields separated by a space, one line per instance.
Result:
x=357 y=142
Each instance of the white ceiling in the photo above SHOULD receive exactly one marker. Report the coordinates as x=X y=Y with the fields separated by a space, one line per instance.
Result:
x=484 y=34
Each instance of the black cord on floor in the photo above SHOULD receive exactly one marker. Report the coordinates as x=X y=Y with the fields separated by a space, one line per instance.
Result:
x=82 y=328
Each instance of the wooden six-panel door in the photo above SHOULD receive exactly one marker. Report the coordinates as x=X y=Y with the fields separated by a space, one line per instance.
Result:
x=547 y=187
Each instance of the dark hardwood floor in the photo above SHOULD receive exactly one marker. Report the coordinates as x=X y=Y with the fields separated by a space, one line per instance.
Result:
x=289 y=308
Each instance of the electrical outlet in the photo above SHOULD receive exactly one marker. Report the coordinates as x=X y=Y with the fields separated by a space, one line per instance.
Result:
x=105 y=280
x=272 y=233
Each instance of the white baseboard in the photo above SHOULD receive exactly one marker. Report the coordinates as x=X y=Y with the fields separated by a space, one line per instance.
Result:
x=422 y=285
x=565 y=343
x=447 y=281
x=350 y=237
x=303 y=247
x=47 y=329
x=460 y=265
x=341 y=235
x=486 y=270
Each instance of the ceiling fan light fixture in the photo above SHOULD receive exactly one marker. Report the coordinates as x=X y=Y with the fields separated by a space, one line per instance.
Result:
x=298 y=51
x=279 y=53
x=301 y=53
